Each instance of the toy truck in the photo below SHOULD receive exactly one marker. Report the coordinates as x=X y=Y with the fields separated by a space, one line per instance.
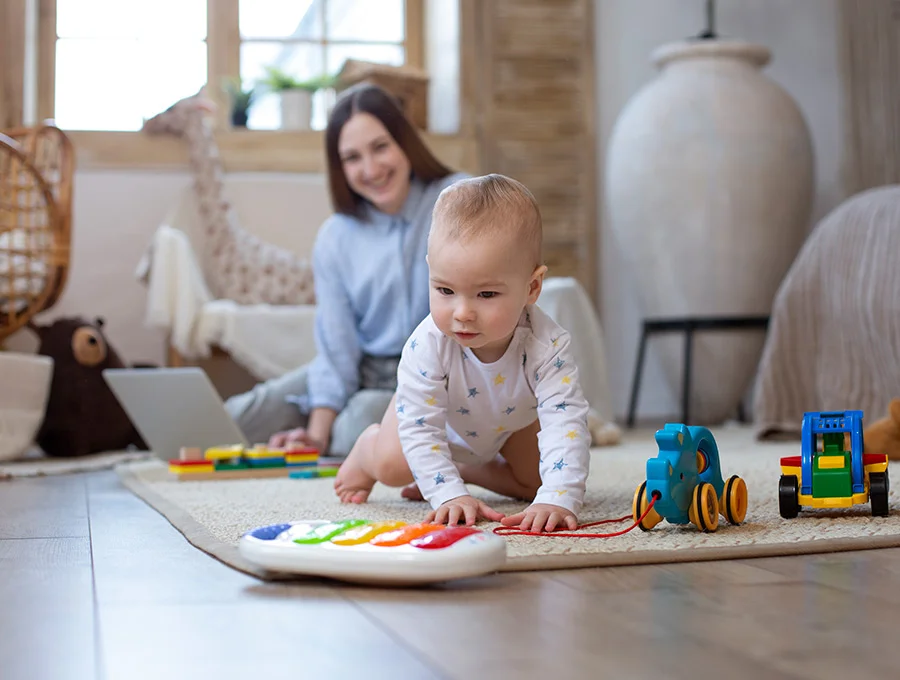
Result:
x=827 y=474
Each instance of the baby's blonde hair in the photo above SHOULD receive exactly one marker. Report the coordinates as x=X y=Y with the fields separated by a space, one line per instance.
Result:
x=491 y=205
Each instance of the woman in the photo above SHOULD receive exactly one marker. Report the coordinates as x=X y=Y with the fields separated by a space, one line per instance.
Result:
x=371 y=280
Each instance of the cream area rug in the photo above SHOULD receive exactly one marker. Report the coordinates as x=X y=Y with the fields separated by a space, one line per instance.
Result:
x=34 y=463
x=213 y=515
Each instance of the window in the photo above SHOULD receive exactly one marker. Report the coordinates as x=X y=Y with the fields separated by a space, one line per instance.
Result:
x=100 y=67
x=310 y=38
x=118 y=62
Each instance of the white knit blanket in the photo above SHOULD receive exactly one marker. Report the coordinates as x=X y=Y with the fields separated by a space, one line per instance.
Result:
x=834 y=336
x=267 y=340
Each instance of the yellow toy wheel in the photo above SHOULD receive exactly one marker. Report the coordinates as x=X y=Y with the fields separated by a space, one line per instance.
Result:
x=704 y=510
x=734 y=500
x=702 y=462
x=639 y=506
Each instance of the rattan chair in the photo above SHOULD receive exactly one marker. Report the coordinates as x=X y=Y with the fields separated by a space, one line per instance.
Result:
x=37 y=167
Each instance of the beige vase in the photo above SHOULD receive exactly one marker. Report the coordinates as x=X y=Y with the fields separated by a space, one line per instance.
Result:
x=709 y=189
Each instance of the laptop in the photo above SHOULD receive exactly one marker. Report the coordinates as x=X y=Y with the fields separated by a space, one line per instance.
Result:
x=174 y=407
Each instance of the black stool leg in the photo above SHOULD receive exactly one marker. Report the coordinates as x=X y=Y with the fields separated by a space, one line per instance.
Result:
x=686 y=378
x=636 y=380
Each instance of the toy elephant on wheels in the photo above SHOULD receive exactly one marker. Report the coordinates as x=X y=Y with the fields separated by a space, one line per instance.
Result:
x=686 y=480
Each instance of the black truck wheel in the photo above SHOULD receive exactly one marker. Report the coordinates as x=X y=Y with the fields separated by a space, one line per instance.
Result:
x=879 y=487
x=788 y=496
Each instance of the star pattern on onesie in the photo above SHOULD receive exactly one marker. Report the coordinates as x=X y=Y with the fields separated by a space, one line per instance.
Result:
x=558 y=369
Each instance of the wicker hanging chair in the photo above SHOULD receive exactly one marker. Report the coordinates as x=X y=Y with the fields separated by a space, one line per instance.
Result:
x=37 y=167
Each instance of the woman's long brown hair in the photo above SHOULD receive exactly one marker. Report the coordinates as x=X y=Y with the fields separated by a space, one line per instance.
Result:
x=371 y=99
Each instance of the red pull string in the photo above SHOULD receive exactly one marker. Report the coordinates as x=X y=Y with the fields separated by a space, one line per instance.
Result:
x=512 y=531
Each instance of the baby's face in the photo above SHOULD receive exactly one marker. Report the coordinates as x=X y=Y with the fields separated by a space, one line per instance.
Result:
x=478 y=291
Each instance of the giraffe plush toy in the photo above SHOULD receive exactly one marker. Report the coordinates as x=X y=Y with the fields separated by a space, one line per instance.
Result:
x=236 y=265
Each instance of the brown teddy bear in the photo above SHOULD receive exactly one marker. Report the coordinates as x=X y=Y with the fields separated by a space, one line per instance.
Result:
x=83 y=416
x=883 y=436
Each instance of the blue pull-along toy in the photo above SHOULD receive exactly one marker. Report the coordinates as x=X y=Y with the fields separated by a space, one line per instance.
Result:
x=686 y=480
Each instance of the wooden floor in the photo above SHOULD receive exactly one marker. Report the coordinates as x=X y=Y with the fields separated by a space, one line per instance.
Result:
x=95 y=584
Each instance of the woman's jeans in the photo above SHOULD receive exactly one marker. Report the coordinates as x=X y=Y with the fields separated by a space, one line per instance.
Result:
x=267 y=408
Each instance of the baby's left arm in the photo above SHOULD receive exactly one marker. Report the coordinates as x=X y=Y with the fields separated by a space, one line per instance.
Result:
x=564 y=440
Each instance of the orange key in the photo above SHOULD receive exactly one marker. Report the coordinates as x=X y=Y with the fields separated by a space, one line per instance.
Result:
x=405 y=534
x=365 y=533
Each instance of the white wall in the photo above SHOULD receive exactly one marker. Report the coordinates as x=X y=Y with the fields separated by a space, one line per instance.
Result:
x=115 y=217
x=803 y=38
x=115 y=214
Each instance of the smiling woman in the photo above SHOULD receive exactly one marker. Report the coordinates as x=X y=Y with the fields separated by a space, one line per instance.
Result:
x=371 y=280
x=372 y=149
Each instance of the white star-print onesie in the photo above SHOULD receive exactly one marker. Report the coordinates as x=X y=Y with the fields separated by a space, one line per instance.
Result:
x=452 y=407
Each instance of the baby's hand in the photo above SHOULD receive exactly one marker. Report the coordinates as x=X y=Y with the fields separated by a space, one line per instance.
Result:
x=541 y=516
x=467 y=507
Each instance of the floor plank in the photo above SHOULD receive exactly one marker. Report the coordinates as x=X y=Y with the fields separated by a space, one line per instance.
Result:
x=530 y=625
x=46 y=600
x=287 y=632
x=43 y=507
x=168 y=610
x=872 y=574
x=140 y=559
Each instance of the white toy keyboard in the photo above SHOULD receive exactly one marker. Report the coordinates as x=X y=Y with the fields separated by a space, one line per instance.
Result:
x=382 y=552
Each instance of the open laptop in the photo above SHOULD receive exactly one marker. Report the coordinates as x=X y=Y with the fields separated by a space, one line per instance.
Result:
x=174 y=407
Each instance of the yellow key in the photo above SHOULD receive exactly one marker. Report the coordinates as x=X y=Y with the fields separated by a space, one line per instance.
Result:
x=366 y=532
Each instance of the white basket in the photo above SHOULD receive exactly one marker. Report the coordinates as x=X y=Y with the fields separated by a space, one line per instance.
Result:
x=24 y=390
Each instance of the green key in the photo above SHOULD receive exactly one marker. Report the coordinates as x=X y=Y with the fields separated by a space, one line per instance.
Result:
x=325 y=532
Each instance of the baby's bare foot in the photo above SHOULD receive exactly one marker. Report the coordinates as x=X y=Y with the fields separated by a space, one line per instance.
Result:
x=352 y=484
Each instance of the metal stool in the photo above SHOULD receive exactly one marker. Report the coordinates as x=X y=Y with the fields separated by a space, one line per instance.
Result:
x=687 y=325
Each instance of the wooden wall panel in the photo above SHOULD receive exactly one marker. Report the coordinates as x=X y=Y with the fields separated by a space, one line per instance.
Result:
x=12 y=63
x=533 y=101
x=870 y=32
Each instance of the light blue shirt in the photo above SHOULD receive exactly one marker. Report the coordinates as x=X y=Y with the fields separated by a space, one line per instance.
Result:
x=371 y=282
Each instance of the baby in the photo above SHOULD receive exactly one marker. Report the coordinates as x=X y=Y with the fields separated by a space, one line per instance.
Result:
x=488 y=393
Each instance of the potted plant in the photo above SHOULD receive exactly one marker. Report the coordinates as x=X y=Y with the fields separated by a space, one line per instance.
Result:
x=241 y=101
x=296 y=96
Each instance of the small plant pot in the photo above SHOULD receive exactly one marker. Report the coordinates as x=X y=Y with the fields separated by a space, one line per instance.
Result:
x=239 y=118
x=296 y=110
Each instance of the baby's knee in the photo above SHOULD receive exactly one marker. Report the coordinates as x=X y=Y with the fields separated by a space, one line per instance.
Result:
x=390 y=464
x=529 y=492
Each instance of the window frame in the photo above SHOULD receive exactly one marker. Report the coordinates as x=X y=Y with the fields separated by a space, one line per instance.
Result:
x=241 y=149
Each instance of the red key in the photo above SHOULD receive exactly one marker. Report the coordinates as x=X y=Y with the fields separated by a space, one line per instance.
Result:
x=444 y=538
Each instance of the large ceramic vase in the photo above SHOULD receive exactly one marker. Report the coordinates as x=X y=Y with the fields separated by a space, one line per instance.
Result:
x=709 y=189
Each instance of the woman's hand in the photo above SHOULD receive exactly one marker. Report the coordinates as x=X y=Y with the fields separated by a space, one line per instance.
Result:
x=296 y=437
x=542 y=517
x=316 y=435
